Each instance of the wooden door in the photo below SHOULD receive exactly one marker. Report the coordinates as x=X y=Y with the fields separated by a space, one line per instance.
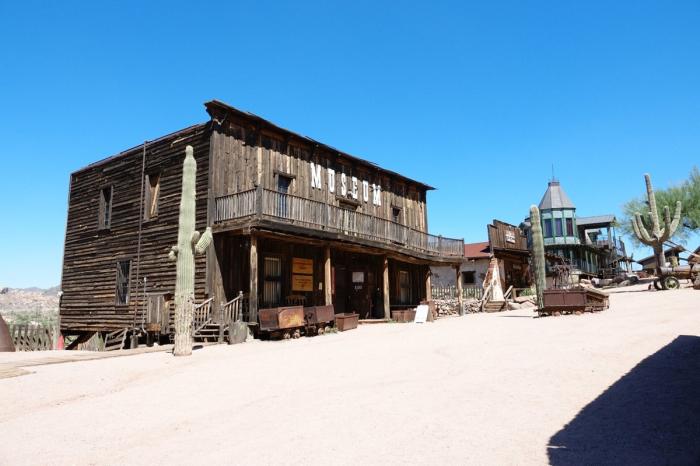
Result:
x=360 y=292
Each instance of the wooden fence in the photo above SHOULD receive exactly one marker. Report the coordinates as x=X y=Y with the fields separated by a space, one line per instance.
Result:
x=450 y=292
x=33 y=337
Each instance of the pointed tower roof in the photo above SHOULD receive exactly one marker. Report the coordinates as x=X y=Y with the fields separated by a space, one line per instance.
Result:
x=555 y=197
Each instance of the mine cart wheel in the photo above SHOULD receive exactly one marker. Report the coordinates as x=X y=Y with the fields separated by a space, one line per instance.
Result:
x=320 y=331
x=287 y=335
x=578 y=313
x=657 y=284
x=296 y=334
x=556 y=313
x=671 y=283
x=326 y=329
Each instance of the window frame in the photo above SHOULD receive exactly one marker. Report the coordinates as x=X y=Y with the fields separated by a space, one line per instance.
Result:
x=104 y=210
x=547 y=228
x=558 y=227
x=151 y=202
x=126 y=283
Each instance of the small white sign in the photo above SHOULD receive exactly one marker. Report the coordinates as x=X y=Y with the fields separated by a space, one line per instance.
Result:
x=422 y=314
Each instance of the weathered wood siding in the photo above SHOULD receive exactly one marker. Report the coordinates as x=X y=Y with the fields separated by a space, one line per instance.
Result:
x=89 y=265
x=245 y=156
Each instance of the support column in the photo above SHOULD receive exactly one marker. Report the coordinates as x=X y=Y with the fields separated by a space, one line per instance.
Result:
x=428 y=285
x=328 y=279
x=253 y=300
x=460 y=297
x=387 y=303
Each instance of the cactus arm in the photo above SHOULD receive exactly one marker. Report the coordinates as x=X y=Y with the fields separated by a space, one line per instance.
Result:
x=653 y=212
x=676 y=219
x=195 y=237
x=204 y=241
x=641 y=231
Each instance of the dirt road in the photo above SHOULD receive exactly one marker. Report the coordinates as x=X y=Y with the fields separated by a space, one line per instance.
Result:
x=616 y=387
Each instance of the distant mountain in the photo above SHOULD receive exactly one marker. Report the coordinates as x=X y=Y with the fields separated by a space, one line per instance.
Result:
x=32 y=299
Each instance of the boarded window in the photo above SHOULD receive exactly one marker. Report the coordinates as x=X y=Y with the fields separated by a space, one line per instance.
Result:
x=151 y=196
x=558 y=227
x=569 y=227
x=548 y=228
x=272 y=285
x=396 y=214
x=104 y=220
x=123 y=273
x=404 y=287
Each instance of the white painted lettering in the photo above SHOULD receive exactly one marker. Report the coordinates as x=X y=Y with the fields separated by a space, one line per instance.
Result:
x=315 y=176
x=365 y=191
x=343 y=185
x=331 y=180
x=376 y=194
x=354 y=193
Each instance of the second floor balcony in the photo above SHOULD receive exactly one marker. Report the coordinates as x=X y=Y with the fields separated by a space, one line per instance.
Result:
x=319 y=217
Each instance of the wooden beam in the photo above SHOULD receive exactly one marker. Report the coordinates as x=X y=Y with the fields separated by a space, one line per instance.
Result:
x=428 y=285
x=253 y=300
x=327 y=283
x=387 y=303
x=460 y=298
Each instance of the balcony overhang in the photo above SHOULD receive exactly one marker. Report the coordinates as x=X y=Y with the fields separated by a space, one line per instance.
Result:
x=270 y=211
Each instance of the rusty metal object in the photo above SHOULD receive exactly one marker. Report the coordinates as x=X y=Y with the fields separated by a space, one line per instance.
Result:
x=573 y=301
x=346 y=322
x=284 y=321
x=403 y=316
x=318 y=318
x=6 y=343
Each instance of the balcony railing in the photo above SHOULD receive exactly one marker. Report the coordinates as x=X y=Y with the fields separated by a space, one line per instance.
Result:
x=316 y=215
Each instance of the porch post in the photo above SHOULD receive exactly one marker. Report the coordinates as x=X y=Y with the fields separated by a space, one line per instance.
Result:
x=387 y=304
x=328 y=280
x=428 y=285
x=460 y=297
x=253 y=301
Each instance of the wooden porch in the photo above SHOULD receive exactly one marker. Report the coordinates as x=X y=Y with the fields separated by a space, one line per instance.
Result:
x=318 y=218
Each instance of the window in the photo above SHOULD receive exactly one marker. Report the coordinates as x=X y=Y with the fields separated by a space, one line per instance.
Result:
x=151 y=196
x=396 y=214
x=468 y=278
x=123 y=272
x=548 y=228
x=283 y=184
x=104 y=220
x=404 y=287
x=569 y=227
x=558 y=227
x=272 y=285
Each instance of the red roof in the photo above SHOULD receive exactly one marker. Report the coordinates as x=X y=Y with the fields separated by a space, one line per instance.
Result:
x=477 y=250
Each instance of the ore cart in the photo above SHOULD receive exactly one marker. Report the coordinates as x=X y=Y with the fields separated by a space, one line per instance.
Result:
x=281 y=322
x=319 y=319
x=573 y=301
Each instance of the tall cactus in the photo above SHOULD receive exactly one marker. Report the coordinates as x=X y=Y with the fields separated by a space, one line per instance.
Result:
x=189 y=243
x=658 y=235
x=538 y=260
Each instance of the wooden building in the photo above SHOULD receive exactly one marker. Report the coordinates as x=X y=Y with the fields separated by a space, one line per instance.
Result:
x=295 y=221
x=590 y=245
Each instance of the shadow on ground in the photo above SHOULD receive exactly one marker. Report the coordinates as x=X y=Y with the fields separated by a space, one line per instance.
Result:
x=650 y=416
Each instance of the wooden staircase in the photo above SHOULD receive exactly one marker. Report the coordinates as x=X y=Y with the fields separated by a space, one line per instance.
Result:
x=208 y=327
x=494 y=306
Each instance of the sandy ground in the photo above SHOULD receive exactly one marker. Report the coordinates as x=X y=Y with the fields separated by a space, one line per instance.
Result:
x=618 y=387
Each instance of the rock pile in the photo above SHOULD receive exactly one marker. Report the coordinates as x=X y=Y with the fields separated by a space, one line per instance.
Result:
x=450 y=306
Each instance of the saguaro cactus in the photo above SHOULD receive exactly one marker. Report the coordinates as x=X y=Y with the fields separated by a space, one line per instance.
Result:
x=538 y=261
x=658 y=235
x=189 y=243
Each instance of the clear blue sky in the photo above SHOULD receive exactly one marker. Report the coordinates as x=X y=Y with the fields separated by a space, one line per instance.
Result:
x=477 y=99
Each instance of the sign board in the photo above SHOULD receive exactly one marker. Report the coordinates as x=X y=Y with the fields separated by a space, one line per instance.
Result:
x=302 y=266
x=510 y=237
x=358 y=277
x=302 y=283
x=422 y=314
